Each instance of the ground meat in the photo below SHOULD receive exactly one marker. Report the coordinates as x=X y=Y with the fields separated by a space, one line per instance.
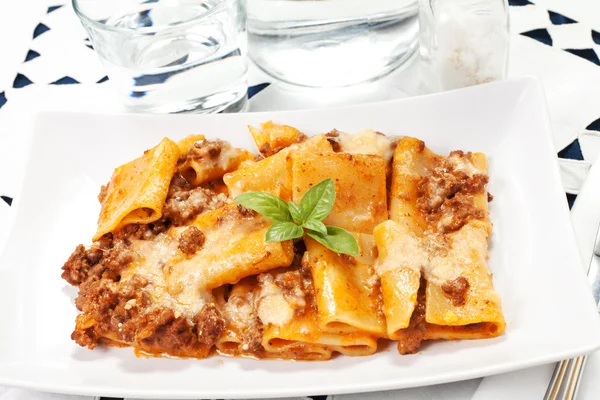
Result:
x=334 y=141
x=252 y=336
x=143 y=231
x=76 y=269
x=446 y=197
x=178 y=184
x=191 y=240
x=265 y=150
x=456 y=290
x=209 y=324
x=278 y=143
x=203 y=149
x=96 y=298
x=434 y=189
x=123 y=311
x=129 y=287
x=86 y=338
x=245 y=212
x=293 y=285
x=167 y=333
x=118 y=256
x=410 y=339
x=104 y=259
x=456 y=212
x=114 y=308
x=184 y=205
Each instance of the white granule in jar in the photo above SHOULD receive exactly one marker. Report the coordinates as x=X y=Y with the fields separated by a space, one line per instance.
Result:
x=472 y=43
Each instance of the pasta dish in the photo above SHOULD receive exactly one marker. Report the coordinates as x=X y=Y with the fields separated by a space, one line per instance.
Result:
x=180 y=267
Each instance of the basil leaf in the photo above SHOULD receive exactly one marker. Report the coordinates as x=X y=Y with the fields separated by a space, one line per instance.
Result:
x=297 y=213
x=317 y=203
x=337 y=239
x=281 y=231
x=271 y=207
x=316 y=226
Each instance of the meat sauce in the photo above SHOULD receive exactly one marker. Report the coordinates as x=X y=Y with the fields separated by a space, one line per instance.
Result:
x=123 y=310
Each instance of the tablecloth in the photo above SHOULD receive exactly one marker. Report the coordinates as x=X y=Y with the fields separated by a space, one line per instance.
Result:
x=49 y=64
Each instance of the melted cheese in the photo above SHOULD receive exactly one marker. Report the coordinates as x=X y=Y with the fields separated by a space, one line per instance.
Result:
x=438 y=260
x=178 y=281
x=271 y=303
x=367 y=142
x=399 y=248
x=152 y=260
x=464 y=164
x=467 y=248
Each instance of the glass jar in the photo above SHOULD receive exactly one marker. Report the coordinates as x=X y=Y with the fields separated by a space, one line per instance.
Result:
x=323 y=43
x=463 y=42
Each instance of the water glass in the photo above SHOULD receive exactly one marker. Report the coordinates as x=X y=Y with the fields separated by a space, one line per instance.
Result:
x=168 y=56
x=325 y=43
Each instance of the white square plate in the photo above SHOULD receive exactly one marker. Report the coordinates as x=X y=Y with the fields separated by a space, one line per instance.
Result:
x=534 y=258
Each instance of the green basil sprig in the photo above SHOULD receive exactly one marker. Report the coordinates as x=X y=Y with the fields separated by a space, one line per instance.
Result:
x=292 y=221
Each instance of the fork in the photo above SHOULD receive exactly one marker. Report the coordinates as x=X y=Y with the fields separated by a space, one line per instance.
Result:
x=567 y=374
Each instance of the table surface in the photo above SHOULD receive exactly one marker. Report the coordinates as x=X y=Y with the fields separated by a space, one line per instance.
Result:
x=47 y=60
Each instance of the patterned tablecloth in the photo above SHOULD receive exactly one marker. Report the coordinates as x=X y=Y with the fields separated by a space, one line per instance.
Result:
x=49 y=64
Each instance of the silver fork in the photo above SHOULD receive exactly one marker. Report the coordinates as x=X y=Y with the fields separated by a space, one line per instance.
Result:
x=567 y=374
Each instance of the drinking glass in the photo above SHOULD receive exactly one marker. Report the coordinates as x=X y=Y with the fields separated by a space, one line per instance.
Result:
x=324 y=43
x=169 y=56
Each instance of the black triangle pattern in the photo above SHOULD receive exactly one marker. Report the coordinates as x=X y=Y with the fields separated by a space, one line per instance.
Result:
x=519 y=3
x=588 y=54
x=559 y=19
x=571 y=199
x=2 y=99
x=65 y=80
x=594 y=126
x=31 y=54
x=103 y=80
x=256 y=89
x=21 y=81
x=596 y=37
x=40 y=29
x=572 y=151
x=53 y=8
x=541 y=35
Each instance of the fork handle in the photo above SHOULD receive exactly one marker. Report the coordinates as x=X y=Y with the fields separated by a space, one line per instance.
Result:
x=566 y=378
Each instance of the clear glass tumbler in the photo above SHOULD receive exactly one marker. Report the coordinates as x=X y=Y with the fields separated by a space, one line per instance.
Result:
x=323 y=43
x=168 y=56
x=463 y=42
